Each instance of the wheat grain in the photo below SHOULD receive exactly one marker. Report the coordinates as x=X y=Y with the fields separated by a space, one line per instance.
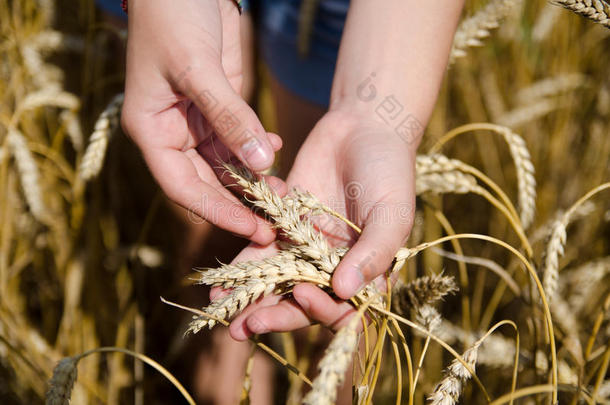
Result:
x=333 y=366
x=28 y=174
x=595 y=10
x=62 y=382
x=477 y=27
x=98 y=141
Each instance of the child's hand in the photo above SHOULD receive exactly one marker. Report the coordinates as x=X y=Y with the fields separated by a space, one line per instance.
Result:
x=360 y=167
x=184 y=74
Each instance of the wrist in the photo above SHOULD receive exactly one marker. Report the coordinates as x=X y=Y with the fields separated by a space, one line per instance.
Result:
x=391 y=112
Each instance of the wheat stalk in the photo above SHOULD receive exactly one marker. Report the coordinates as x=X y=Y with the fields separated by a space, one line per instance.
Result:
x=477 y=27
x=595 y=10
x=95 y=153
x=28 y=174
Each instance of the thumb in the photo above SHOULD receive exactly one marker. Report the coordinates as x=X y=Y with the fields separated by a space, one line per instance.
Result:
x=372 y=254
x=233 y=120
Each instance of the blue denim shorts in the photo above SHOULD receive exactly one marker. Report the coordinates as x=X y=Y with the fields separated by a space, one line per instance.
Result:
x=310 y=76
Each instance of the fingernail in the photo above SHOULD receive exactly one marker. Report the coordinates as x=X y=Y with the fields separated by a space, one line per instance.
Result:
x=353 y=281
x=257 y=154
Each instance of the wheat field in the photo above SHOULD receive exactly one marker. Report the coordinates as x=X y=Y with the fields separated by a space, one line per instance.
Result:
x=503 y=289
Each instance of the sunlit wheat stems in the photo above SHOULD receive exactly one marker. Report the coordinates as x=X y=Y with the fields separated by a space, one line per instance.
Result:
x=436 y=162
x=486 y=263
x=95 y=153
x=532 y=273
x=526 y=182
x=473 y=29
x=28 y=174
x=458 y=182
x=333 y=366
x=556 y=243
x=595 y=10
x=290 y=367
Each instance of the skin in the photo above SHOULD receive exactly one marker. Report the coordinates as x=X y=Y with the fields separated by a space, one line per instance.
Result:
x=354 y=157
x=182 y=83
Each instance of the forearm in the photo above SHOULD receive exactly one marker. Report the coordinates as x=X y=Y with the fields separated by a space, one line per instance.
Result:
x=393 y=57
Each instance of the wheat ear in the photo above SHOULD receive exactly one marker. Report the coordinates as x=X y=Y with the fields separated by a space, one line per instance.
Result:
x=28 y=173
x=595 y=10
x=422 y=291
x=251 y=280
x=95 y=153
x=62 y=382
x=477 y=27
x=448 y=391
x=286 y=217
x=557 y=240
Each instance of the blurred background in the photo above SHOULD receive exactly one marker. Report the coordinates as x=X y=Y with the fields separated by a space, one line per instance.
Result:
x=84 y=258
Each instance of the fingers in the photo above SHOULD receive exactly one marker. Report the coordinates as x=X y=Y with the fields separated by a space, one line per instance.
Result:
x=271 y=314
x=371 y=255
x=181 y=180
x=231 y=117
x=320 y=307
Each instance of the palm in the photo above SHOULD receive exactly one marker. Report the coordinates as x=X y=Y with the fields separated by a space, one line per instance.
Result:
x=363 y=170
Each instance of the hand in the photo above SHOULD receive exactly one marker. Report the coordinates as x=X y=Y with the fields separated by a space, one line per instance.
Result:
x=183 y=109
x=362 y=168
